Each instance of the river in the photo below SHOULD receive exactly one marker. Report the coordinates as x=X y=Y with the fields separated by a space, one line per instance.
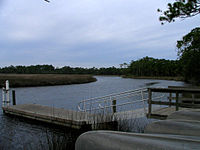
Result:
x=19 y=134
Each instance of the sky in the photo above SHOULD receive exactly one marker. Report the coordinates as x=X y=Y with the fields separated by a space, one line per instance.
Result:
x=87 y=33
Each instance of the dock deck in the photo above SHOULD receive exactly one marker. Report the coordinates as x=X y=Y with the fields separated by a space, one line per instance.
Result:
x=164 y=112
x=57 y=116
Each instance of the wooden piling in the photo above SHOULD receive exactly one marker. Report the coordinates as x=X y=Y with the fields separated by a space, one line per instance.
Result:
x=13 y=97
x=114 y=106
x=149 y=102
x=177 y=94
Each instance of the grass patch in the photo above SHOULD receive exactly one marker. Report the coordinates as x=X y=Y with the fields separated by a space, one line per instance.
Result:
x=30 y=80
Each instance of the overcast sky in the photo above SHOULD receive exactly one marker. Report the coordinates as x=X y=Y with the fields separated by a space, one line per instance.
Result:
x=86 y=33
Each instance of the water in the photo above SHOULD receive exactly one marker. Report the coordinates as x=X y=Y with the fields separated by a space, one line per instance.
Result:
x=19 y=134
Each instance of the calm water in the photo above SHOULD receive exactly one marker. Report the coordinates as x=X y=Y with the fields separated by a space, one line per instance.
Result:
x=18 y=134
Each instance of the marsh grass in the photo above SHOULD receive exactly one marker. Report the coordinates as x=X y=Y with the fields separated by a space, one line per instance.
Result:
x=28 y=80
x=66 y=138
x=61 y=142
x=53 y=140
x=102 y=120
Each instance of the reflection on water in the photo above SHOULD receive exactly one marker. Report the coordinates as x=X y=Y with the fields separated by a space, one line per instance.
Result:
x=19 y=134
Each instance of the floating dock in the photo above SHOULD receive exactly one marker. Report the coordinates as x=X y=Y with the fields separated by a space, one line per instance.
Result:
x=57 y=116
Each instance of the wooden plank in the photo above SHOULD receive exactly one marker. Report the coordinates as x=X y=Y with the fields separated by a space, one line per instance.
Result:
x=158 y=116
x=189 y=105
x=163 y=103
x=185 y=99
x=174 y=90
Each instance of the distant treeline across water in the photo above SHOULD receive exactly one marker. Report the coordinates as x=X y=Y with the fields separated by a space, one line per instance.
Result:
x=50 y=69
x=145 y=67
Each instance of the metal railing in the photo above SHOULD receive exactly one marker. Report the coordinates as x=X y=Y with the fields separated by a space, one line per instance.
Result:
x=110 y=103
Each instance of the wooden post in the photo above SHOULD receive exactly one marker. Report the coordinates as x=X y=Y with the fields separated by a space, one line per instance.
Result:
x=114 y=105
x=193 y=99
x=13 y=97
x=177 y=101
x=149 y=102
x=170 y=99
x=7 y=93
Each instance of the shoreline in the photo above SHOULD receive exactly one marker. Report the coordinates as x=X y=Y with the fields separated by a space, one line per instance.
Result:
x=154 y=77
x=34 y=80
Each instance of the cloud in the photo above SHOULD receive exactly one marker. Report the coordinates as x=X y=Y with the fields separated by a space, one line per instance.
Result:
x=86 y=32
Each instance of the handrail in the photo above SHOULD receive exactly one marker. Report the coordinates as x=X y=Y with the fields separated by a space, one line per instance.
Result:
x=110 y=99
x=105 y=102
x=114 y=94
x=97 y=108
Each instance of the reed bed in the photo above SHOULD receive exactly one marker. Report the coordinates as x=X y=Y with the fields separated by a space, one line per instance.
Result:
x=30 y=80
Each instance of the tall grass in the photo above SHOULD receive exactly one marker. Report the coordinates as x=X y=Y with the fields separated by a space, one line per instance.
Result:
x=100 y=121
x=27 y=80
x=53 y=140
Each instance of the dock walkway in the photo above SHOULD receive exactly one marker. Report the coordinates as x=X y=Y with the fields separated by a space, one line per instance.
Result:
x=58 y=116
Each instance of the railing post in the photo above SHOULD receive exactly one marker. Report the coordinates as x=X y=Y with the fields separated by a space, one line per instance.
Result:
x=149 y=102
x=7 y=93
x=84 y=106
x=114 y=101
x=177 y=94
x=13 y=97
x=170 y=99
x=143 y=102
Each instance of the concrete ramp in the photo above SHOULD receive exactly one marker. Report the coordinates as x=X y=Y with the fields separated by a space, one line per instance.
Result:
x=111 y=140
x=186 y=115
x=173 y=126
x=185 y=122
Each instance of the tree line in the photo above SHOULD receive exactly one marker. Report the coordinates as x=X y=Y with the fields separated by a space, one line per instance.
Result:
x=146 y=67
x=149 y=66
x=50 y=69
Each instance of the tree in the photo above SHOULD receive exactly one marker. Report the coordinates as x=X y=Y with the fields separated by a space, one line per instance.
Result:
x=148 y=66
x=180 y=9
x=189 y=53
x=189 y=46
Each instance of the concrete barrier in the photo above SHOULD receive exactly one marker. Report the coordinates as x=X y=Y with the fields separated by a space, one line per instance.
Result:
x=112 y=140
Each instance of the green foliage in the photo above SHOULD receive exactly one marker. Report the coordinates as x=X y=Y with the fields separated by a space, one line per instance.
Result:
x=189 y=53
x=180 y=9
x=149 y=66
x=189 y=46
